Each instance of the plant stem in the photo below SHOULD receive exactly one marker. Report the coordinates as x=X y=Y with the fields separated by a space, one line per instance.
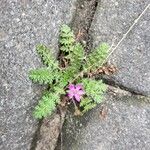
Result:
x=74 y=104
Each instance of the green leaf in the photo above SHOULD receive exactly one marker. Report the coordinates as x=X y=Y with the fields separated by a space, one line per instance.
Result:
x=97 y=57
x=58 y=89
x=89 y=107
x=94 y=89
x=66 y=76
x=46 y=105
x=77 y=55
x=87 y=104
x=65 y=29
x=46 y=56
x=76 y=59
x=85 y=101
x=67 y=39
x=43 y=75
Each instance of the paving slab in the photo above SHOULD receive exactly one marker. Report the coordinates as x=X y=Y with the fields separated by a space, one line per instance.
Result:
x=122 y=122
x=23 y=25
x=112 y=20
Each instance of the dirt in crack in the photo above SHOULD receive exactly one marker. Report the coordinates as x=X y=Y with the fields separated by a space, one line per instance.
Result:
x=82 y=20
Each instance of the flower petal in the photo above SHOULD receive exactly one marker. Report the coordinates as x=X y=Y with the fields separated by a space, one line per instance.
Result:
x=77 y=97
x=81 y=92
x=71 y=86
x=79 y=86
x=70 y=95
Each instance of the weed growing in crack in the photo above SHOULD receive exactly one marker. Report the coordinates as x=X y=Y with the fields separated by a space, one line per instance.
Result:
x=67 y=77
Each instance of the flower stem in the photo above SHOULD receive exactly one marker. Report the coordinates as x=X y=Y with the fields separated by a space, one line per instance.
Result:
x=74 y=104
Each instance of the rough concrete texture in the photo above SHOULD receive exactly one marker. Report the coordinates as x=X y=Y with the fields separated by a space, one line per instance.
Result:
x=23 y=24
x=122 y=122
x=112 y=20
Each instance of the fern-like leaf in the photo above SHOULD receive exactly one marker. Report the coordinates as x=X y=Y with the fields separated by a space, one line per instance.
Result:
x=94 y=89
x=66 y=76
x=85 y=101
x=46 y=56
x=87 y=104
x=76 y=56
x=58 y=89
x=46 y=105
x=89 y=107
x=43 y=75
x=66 y=39
x=96 y=58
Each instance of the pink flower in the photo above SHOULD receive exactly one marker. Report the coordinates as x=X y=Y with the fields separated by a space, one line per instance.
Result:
x=75 y=92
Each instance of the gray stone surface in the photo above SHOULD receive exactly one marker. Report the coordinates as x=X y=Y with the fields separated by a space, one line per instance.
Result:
x=112 y=19
x=23 y=24
x=122 y=122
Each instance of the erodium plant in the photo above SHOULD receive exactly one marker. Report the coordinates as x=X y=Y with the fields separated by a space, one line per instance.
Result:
x=65 y=76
